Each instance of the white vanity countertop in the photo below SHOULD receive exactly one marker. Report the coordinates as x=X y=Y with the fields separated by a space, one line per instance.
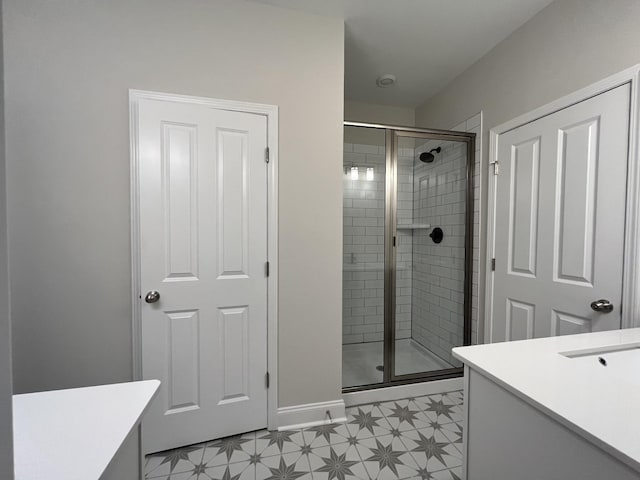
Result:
x=73 y=434
x=600 y=403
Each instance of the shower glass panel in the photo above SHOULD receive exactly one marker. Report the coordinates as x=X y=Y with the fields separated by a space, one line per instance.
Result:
x=364 y=191
x=408 y=224
x=431 y=196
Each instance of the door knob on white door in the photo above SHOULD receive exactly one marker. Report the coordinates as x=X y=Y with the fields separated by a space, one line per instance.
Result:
x=602 y=305
x=152 y=297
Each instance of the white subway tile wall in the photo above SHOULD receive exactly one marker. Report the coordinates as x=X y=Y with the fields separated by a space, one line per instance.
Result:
x=438 y=278
x=363 y=240
x=439 y=199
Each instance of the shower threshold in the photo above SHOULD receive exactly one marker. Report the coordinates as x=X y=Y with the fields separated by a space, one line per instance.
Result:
x=359 y=361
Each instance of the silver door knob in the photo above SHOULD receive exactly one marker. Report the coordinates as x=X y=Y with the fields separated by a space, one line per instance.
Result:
x=152 y=297
x=602 y=305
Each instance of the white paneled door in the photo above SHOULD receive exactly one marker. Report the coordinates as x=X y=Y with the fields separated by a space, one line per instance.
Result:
x=560 y=220
x=203 y=252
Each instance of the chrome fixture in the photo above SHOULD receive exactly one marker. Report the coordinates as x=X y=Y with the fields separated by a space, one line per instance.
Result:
x=152 y=297
x=602 y=305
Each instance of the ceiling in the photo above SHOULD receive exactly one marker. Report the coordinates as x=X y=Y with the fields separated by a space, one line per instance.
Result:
x=424 y=43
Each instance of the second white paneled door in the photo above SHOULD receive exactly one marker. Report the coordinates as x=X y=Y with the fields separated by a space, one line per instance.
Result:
x=203 y=252
x=560 y=221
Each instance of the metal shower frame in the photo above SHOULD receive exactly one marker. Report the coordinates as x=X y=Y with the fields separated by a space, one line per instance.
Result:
x=392 y=134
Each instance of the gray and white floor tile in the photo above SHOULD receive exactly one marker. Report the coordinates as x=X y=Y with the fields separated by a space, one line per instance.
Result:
x=183 y=476
x=270 y=443
x=234 y=449
x=440 y=408
x=449 y=474
x=453 y=431
x=432 y=450
x=455 y=396
x=323 y=435
x=415 y=438
x=233 y=471
x=404 y=415
x=337 y=462
x=289 y=466
x=387 y=458
x=171 y=462
x=366 y=421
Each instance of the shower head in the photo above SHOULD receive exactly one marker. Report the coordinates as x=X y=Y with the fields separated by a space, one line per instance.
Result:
x=428 y=157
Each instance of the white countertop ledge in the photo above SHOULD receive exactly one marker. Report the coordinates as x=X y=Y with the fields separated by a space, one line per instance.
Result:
x=600 y=403
x=75 y=433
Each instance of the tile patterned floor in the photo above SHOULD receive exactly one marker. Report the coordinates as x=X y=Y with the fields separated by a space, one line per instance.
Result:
x=414 y=438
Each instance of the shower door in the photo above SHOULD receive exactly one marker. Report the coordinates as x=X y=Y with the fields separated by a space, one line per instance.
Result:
x=430 y=259
x=408 y=214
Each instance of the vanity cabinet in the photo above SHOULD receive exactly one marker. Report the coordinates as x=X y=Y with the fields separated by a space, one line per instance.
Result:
x=557 y=408
x=85 y=433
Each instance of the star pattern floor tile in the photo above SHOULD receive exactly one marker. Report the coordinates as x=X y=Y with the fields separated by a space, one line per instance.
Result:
x=413 y=438
x=387 y=457
x=233 y=471
x=432 y=449
x=276 y=442
x=366 y=421
x=440 y=408
x=404 y=415
x=237 y=448
x=174 y=461
x=453 y=431
x=289 y=466
x=324 y=435
x=339 y=462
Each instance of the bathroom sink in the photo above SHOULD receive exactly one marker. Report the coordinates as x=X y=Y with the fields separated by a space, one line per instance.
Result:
x=619 y=358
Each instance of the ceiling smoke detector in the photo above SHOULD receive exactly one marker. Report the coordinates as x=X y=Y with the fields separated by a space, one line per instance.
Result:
x=385 y=81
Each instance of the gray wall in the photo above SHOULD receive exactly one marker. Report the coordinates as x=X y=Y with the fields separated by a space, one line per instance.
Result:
x=69 y=66
x=375 y=113
x=6 y=389
x=568 y=45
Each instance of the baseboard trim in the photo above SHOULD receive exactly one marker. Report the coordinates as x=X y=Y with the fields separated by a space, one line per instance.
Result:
x=311 y=414
x=402 y=391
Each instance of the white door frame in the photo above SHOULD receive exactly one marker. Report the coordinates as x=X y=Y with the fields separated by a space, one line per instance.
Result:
x=271 y=114
x=631 y=276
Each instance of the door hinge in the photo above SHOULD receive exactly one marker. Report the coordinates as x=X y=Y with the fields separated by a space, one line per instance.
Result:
x=394 y=241
x=266 y=268
x=266 y=154
x=493 y=264
x=496 y=167
x=266 y=379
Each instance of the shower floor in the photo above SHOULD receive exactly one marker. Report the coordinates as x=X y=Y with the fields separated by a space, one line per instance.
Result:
x=359 y=361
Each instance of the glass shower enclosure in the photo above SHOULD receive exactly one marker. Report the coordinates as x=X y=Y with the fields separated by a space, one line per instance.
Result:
x=407 y=253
